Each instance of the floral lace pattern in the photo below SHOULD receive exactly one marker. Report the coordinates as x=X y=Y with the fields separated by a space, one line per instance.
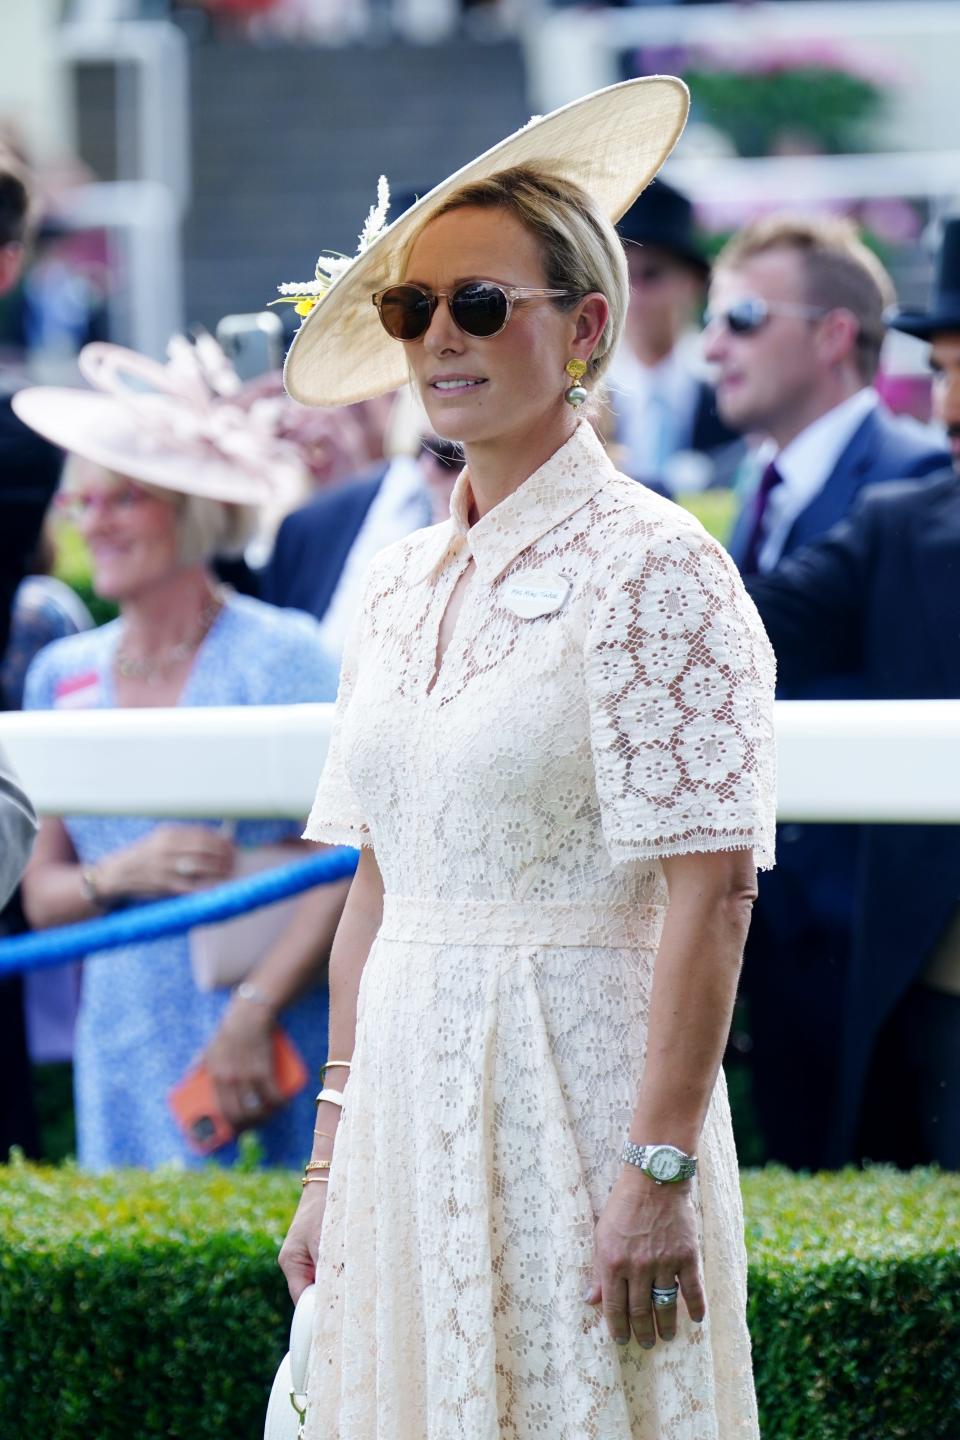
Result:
x=520 y=799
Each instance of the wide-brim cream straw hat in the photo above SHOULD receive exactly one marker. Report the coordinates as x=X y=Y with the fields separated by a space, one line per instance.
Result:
x=163 y=425
x=611 y=144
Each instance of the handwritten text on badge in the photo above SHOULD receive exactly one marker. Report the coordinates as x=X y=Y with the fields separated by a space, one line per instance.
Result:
x=535 y=594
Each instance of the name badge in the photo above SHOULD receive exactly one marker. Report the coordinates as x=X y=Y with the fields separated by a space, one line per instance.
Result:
x=535 y=594
x=78 y=692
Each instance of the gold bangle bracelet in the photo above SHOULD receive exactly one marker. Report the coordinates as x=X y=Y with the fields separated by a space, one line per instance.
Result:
x=325 y=1135
x=315 y=1180
x=317 y=1165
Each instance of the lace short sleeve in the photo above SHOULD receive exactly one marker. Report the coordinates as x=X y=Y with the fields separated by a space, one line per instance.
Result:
x=335 y=816
x=680 y=677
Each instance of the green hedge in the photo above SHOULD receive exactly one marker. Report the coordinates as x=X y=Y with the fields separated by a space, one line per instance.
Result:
x=150 y=1307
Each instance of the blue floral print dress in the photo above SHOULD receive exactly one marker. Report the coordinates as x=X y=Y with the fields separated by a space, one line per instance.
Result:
x=142 y=1021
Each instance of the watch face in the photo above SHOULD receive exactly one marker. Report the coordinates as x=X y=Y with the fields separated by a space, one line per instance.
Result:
x=664 y=1163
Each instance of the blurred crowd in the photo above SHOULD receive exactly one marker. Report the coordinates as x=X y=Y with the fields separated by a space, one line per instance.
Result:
x=228 y=531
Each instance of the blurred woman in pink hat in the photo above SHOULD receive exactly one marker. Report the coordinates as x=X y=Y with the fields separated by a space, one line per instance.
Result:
x=165 y=472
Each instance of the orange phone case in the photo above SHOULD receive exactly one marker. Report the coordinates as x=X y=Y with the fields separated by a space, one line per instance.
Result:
x=194 y=1100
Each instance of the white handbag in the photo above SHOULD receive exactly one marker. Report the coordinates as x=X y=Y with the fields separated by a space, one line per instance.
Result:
x=287 y=1407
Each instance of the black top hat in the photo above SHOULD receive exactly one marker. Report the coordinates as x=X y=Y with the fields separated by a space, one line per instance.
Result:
x=944 y=312
x=663 y=217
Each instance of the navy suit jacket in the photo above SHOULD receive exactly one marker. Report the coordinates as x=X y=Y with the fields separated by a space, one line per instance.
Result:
x=884 y=447
x=313 y=543
x=880 y=595
x=812 y=884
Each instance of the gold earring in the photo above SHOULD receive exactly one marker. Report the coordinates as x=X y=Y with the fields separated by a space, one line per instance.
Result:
x=576 y=395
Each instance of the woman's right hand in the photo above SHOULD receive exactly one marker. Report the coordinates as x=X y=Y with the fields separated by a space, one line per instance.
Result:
x=171 y=860
x=298 y=1254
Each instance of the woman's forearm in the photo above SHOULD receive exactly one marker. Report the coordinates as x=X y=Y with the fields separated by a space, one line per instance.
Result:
x=54 y=893
x=361 y=919
x=694 y=987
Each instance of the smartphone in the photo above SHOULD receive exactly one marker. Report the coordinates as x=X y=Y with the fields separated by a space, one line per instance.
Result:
x=254 y=343
x=194 y=1100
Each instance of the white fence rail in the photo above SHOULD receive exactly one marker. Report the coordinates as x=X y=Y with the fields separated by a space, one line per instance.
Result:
x=883 y=761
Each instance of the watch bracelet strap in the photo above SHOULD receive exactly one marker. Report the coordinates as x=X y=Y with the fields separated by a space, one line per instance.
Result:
x=633 y=1154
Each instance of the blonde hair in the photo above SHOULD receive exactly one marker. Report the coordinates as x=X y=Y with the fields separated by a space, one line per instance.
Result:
x=581 y=250
x=205 y=527
x=213 y=527
x=840 y=272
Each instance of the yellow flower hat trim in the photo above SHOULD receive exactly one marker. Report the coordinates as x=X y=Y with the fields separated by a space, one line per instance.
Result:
x=331 y=266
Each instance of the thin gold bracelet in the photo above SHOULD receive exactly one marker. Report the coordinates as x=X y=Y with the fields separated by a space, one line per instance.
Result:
x=334 y=1065
x=325 y=1134
x=315 y=1180
x=317 y=1165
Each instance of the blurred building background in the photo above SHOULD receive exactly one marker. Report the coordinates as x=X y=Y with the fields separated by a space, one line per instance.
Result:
x=194 y=153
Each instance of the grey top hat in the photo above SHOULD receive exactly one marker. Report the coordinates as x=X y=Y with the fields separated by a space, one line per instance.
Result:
x=944 y=311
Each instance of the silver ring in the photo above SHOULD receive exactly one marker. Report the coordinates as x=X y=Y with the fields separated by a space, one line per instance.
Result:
x=185 y=866
x=664 y=1295
x=251 y=1101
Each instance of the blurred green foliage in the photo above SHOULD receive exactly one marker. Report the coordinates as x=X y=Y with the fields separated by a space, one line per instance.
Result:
x=820 y=107
x=72 y=566
x=715 y=509
x=152 y=1305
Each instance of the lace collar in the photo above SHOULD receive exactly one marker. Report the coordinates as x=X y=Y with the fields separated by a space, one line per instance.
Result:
x=570 y=478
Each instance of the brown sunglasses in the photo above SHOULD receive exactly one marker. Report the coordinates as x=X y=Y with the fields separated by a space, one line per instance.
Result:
x=479 y=308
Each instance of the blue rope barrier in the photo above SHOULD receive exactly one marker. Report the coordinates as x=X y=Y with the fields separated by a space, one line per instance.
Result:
x=141 y=923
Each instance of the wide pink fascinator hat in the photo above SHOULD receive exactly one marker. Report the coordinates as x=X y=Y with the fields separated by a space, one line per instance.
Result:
x=179 y=425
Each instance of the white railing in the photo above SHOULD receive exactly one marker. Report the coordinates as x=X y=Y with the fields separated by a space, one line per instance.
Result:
x=883 y=761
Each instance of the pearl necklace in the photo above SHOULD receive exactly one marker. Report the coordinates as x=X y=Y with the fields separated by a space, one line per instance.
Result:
x=152 y=670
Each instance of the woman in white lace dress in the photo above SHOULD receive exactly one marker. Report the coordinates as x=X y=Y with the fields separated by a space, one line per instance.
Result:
x=553 y=741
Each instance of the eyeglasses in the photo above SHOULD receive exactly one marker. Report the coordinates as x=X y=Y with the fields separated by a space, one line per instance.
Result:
x=479 y=308
x=746 y=317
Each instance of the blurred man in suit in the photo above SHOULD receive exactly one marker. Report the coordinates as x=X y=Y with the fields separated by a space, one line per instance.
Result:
x=322 y=550
x=859 y=599
x=795 y=326
x=664 y=416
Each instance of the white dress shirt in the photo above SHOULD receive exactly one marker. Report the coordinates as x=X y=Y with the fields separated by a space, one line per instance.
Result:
x=805 y=465
x=655 y=407
x=400 y=506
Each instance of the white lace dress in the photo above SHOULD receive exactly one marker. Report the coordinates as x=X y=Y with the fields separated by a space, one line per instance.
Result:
x=519 y=807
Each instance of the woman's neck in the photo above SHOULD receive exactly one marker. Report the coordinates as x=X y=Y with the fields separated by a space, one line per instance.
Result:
x=499 y=467
x=166 y=613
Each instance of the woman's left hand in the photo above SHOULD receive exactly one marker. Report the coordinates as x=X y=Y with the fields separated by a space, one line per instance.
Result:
x=646 y=1236
x=240 y=1061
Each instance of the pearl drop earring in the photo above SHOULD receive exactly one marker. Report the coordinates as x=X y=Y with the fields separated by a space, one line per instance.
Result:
x=576 y=395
